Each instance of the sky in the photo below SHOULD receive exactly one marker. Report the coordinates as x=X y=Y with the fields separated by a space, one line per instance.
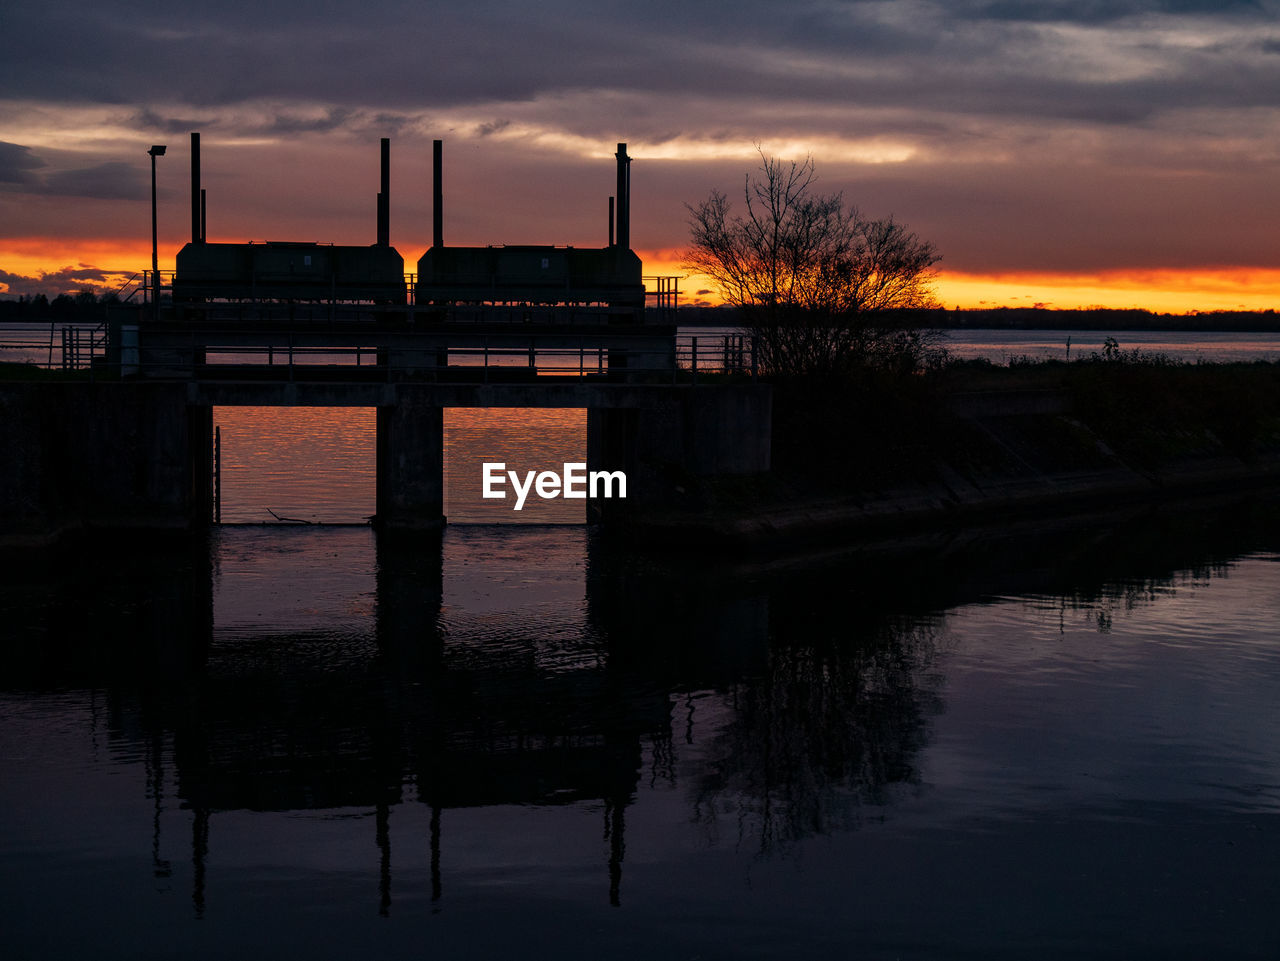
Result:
x=1123 y=153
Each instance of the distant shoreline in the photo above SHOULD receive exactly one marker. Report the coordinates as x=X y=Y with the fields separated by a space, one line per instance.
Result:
x=1031 y=318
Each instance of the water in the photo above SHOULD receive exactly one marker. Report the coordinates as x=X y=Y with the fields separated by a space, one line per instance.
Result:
x=317 y=464
x=37 y=344
x=1002 y=346
x=526 y=741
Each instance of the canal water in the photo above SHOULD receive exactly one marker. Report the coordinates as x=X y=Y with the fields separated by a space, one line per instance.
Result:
x=526 y=741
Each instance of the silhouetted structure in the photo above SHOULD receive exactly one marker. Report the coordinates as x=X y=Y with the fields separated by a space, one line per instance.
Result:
x=605 y=282
x=548 y=284
x=278 y=270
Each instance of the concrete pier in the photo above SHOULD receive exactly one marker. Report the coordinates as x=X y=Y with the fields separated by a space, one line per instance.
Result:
x=410 y=465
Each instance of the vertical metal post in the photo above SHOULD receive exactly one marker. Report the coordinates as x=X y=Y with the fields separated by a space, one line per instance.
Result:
x=437 y=193
x=622 y=232
x=217 y=475
x=384 y=196
x=157 y=150
x=196 y=232
x=693 y=359
x=155 y=246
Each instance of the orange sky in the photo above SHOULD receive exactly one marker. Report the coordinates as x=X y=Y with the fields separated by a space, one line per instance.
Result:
x=1163 y=291
x=1166 y=291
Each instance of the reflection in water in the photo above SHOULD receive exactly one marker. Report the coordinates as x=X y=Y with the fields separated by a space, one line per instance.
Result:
x=535 y=724
x=833 y=724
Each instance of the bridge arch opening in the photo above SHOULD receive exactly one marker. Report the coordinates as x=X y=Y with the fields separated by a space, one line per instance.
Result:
x=296 y=465
x=319 y=465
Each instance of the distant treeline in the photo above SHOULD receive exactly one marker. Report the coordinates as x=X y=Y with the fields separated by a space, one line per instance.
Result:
x=1040 y=318
x=87 y=306
x=84 y=306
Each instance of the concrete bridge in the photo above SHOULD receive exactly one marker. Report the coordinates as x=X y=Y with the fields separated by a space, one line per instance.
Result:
x=133 y=448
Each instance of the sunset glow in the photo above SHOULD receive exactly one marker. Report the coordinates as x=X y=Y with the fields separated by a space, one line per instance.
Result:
x=1165 y=291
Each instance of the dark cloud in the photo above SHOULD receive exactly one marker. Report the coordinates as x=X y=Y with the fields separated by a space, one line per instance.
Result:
x=106 y=181
x=63 y=281
x=112 y=180
x=1107 y=11
x=981 y=57
x=292 y=123
x=149 y=119
x=17 y=164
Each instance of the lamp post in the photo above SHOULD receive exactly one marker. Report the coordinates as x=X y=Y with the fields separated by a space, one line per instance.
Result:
x=156 y=151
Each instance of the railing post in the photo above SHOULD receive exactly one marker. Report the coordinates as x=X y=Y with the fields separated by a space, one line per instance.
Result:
x=217 y=475
x=693 y=360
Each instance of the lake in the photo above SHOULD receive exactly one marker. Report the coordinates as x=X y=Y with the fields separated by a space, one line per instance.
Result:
x=1053 y=741
x=42 y=344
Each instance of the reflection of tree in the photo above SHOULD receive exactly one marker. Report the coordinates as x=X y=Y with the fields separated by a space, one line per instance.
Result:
x=1099 y=604
x=828 y=728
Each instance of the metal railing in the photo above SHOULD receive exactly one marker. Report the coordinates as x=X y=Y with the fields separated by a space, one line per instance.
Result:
x=76 y=347
x=54 y=345
x=719 y=354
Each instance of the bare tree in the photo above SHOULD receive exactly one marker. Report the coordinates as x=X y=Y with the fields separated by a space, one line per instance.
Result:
x=820 y=287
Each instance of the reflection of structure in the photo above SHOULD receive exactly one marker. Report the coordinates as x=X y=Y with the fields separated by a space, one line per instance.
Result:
x=821 y=672
x=295 y=722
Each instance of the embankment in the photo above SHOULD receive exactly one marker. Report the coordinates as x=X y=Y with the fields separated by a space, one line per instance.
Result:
x=977 y=444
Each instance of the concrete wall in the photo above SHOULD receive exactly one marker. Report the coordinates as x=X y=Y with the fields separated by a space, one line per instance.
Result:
x=693 y=432
x=727 y=429
x=101 y=455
